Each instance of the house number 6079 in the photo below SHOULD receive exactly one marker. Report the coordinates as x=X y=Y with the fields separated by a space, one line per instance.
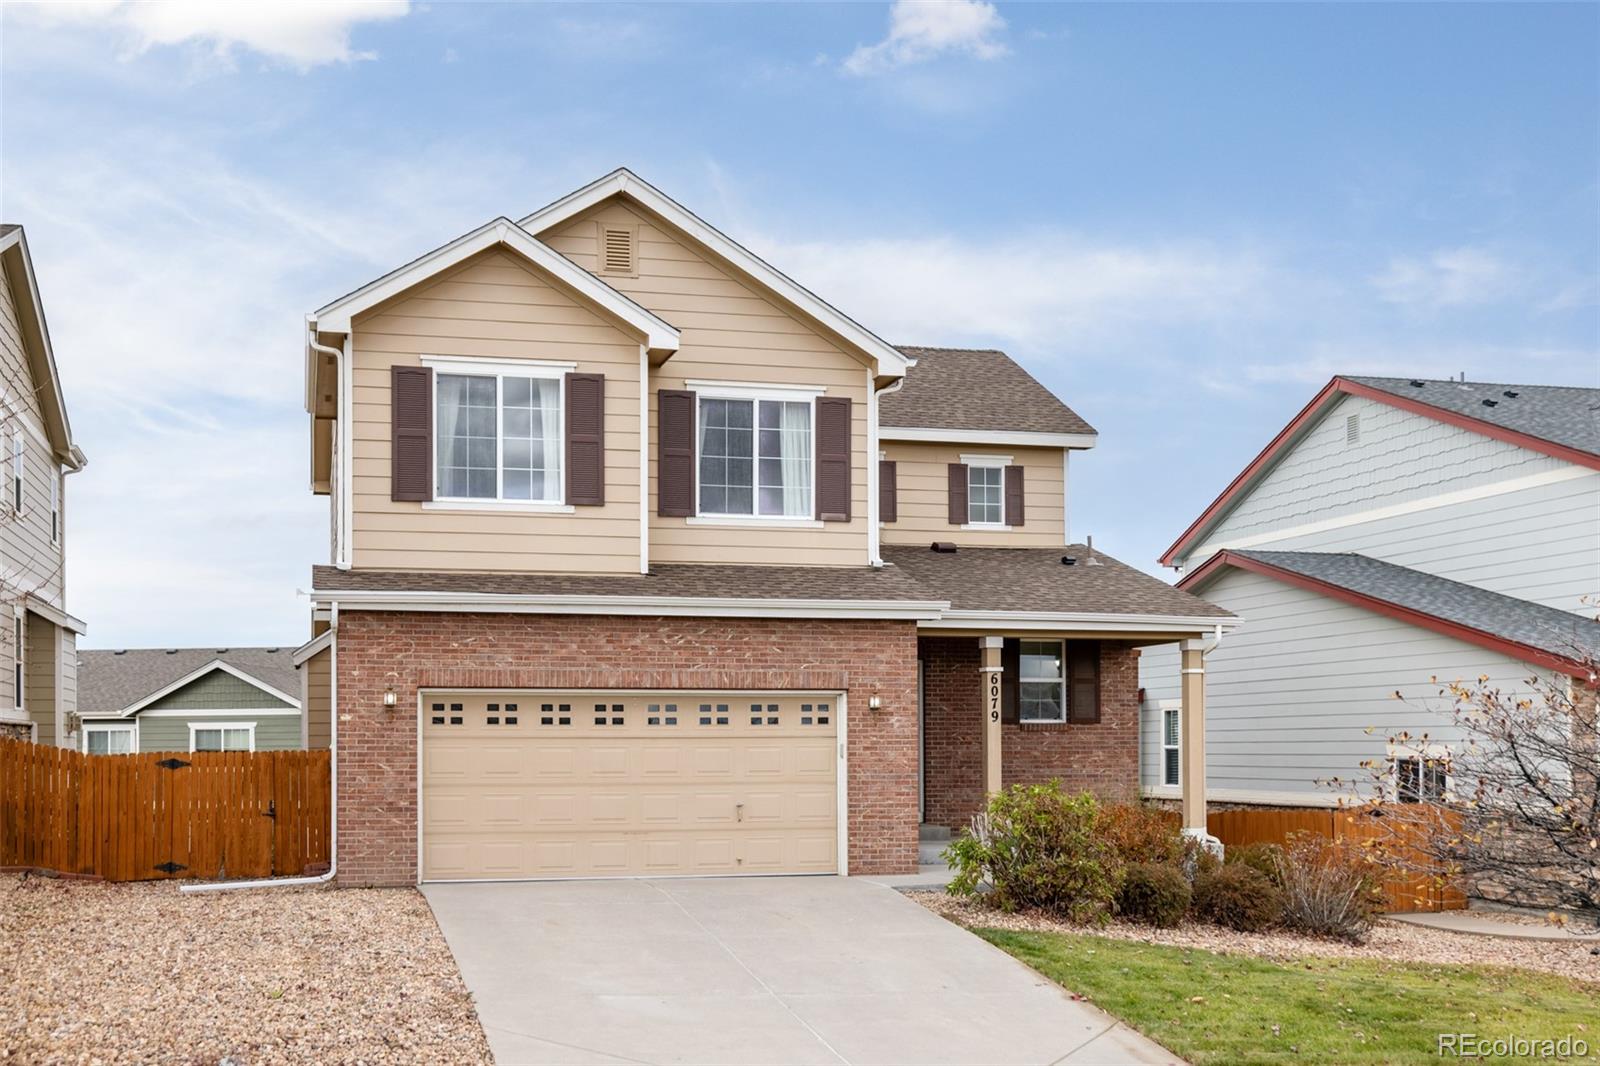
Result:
x=994 y=697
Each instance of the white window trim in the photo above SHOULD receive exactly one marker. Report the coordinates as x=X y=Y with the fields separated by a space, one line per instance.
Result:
x=1165 y=747
x=990 y=462
x=722 y=390
x=195 y=727
x=55 y=504
x=499 y=369
x=1061 y=679
x=131 y=728
x=1434 y=752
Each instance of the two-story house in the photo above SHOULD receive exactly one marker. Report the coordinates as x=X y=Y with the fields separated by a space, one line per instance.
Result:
x=1396 y=531
x=646 y=560
x=38 y=637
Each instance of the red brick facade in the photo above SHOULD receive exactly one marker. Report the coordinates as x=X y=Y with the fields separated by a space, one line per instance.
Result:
x=1103 y=757
x=377 y=749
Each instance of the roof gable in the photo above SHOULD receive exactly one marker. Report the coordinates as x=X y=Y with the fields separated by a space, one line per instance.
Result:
x=1554 y=421
x=623 y=182
x=123 y=683
x=336 y=317
x=18 y=269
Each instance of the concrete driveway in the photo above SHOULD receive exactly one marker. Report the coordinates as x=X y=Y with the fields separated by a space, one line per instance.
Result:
x=753 y=970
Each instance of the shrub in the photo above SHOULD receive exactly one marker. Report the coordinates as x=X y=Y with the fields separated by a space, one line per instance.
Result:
x=1330 y=888
x=1143 y=832
x=1154 y=894
x=1238 y=897
x=1262 y=857
x=1037 y=846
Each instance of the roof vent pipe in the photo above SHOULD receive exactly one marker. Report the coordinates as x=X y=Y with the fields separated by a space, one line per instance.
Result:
x=1088 y=542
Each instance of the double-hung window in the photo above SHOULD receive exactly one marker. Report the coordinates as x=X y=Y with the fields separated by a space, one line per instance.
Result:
x=223 y=736
x=498 y=437
x=1169 y=746
x=986 y=492
x=756 y=457
x=107 y=739
x=1042 y=682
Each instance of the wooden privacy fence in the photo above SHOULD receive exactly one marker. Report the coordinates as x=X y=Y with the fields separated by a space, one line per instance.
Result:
x=1403 y=889
x=159 y=815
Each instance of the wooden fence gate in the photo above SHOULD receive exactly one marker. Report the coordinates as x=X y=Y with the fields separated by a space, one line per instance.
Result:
x=159 y=815
x=1403 y=890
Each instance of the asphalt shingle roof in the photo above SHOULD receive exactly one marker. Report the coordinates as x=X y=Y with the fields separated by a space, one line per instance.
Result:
x=982 y=389
x=1019 y=579
x=111 y=680
x=1557 y=413
x=1547 y=629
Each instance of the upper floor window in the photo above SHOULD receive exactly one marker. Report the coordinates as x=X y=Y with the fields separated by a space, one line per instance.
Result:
x=498 y=437
x=986 y=495
x=755 y=457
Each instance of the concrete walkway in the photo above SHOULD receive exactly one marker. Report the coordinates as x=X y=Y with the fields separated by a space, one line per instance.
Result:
x=1487 y=923
x=753 y=970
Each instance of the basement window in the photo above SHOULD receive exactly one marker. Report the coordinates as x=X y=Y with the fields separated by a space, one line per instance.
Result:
x=1420 y=778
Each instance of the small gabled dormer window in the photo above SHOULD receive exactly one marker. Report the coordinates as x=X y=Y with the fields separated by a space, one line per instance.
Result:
x=619 y=250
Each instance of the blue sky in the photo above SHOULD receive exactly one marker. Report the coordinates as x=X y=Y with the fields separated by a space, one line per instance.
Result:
x=1183 y=219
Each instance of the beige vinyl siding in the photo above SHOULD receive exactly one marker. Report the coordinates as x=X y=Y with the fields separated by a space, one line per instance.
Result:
x=33 y=563
x=733 y=332
x=69 y=682
x=218 y=690
x=318 y=671
x=274 y=732
x=494 y=306
x=39 y=676
x=923 y=495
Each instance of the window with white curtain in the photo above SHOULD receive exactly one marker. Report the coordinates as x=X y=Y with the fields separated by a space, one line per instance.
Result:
x=107 y=739
x=755 y=457
x=228 y=736
x=498 y=437
x=1169 y=746
x=1042 y=681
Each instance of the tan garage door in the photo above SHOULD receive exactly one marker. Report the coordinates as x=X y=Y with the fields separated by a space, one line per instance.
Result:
x=595 y=784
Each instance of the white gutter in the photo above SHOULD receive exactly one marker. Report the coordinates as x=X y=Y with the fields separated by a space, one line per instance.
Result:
x=1002 y=437
x=1037 y=620
x=722 y=606
x=333 y=800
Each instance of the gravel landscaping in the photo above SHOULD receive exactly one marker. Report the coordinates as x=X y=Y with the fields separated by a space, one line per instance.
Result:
x=125 y=973
x=1388 y=941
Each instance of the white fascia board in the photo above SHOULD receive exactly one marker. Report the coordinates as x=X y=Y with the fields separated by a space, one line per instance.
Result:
x=702 y=606
x=891 y=361
x=1014 y=438
x=69 y=454
x=310 y=648
x=194 y=675
x=1107 y=623
x=54 y=615
x=335 y=317
x=214 y=712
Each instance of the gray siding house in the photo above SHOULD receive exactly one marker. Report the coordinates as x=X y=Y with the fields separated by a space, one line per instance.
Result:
x=190 y=699
x=1396 y=531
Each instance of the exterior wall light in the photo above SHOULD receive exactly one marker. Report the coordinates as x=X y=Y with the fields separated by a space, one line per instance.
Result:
x=389 y=700
x=874 y=703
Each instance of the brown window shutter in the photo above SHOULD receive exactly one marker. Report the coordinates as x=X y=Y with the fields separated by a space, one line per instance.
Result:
x=1083 y=680
x=1010 y=680
x=958 y=494
x=888 y=492
x=411 y=429
x=833 y=458
x=675 y=419
x=1013 y=495
x=586 y=439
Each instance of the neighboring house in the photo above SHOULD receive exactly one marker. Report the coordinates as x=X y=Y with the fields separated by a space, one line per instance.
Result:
x=38 y=637
x=646 y=560
x=1395 y=531
x=190 y=699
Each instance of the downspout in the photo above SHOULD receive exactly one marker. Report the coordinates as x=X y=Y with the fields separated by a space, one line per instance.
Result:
x=341 y=554
x=333 y=785
x=874 y=550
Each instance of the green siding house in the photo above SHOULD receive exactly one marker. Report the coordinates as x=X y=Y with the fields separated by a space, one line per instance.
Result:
x=189 y=699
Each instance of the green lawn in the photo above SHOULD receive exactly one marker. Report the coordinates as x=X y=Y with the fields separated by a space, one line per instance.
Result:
x=1311 y=1011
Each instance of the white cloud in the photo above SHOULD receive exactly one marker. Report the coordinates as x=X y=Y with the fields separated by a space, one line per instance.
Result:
x=301 y=33
x=1450 y=277
x=920 y=30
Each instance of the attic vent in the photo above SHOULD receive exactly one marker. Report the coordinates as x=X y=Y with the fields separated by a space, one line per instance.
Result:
x=1491 y=403
x=1352 y=428
x=617 y=250
x=944 y=547
x=1510 y=394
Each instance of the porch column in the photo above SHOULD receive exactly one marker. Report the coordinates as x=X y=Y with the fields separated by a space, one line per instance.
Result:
x=1193 y=717
x=991 y=669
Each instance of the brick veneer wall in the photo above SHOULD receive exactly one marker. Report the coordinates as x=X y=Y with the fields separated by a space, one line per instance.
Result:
x=1103 y=758
x=377 y=749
